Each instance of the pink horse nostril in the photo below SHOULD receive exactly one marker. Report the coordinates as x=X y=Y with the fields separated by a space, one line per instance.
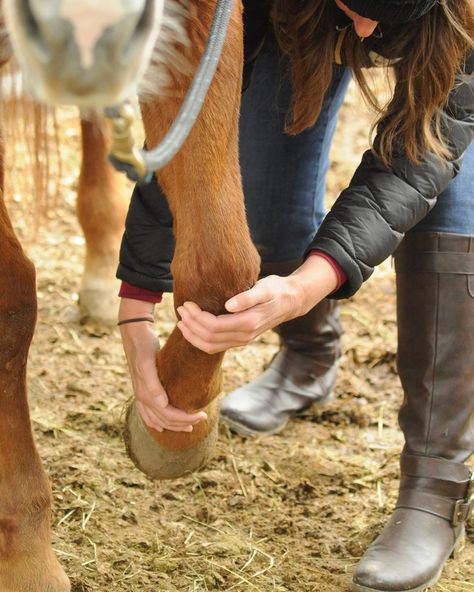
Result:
x=89 y=26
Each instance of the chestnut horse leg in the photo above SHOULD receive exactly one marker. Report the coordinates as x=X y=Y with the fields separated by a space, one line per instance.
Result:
x=27 y=561
x=101 y=209
x=214 y=259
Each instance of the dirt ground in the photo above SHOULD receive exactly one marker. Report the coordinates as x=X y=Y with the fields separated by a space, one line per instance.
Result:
x=288 y=513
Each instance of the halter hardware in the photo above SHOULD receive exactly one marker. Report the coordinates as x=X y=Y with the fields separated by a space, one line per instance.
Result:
x=139 y=165
x=124 y=154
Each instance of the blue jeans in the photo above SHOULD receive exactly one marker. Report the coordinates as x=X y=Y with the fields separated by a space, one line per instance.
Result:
x=285 y=176
x=454 y=210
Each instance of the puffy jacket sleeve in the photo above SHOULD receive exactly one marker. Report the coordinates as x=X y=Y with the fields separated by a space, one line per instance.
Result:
x=371 y=216
x=148 y=242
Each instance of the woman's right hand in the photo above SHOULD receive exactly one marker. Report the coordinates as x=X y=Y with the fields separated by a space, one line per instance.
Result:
x=141 y=344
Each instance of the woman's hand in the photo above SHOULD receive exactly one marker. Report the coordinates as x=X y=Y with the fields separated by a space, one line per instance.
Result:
x=272 y=301
x=140 y=345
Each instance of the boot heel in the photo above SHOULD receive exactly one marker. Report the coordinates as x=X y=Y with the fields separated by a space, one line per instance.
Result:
x=458 y=547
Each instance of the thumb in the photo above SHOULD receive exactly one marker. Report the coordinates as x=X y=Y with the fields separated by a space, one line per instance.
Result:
x=162 y=400
x=152 y=383
x=245 y=300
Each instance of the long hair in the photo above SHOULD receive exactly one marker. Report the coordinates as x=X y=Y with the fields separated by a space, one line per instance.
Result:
x=428 y=55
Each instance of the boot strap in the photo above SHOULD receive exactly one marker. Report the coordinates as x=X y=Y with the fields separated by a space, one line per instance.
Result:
x=430 y=467
x=435 y=262
x=440 y=487
x=452 y=510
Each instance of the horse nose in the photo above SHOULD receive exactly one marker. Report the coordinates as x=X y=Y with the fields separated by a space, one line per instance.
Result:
x=85 y=25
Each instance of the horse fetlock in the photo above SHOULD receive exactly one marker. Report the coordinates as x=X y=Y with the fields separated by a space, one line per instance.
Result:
x=211 y=284
x=36 y=571
x=27 y=561
x=170 y=455
x=98 y=302
x=99 y=288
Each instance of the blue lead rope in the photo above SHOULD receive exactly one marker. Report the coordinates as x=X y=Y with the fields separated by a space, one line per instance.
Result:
x=160 y=156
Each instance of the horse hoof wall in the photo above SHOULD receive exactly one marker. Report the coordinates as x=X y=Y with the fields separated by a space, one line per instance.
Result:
x=157 y=462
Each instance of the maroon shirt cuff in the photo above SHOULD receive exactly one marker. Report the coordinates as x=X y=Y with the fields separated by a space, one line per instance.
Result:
x=136 y=293
x=340 y=273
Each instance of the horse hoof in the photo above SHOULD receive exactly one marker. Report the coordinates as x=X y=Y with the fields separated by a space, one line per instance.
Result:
x=99 y=306
x=158 y=462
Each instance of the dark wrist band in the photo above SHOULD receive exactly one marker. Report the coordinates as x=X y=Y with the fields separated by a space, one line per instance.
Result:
x=136 y=320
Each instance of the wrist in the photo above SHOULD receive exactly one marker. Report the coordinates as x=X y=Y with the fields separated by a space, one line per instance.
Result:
x=340 y=273
x=315 y=279
x=130 y=308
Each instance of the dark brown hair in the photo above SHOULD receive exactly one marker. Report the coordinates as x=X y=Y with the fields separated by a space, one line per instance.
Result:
x=430 y=49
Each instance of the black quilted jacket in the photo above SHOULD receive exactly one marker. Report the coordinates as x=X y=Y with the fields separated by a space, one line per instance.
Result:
x=371 y=216
x=366 y=223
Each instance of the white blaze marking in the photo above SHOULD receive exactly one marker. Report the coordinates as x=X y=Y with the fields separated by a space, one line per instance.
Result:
x=91 y=18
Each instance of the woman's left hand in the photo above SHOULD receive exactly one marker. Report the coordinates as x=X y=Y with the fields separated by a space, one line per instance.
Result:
x=273 y=300
x=270 y=302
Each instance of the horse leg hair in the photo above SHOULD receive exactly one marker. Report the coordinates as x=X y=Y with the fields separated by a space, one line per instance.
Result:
x=27 y=561
x=214 y=258
x=101 y=210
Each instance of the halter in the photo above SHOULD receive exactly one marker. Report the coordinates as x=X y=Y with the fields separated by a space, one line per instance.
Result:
x=139 y=165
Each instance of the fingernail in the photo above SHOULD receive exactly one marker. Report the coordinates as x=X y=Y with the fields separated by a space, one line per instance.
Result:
x=162 y=401
x=231 y=305
x=189 y=429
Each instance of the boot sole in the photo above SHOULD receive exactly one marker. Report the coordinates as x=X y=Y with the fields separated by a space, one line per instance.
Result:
x=243 y=430
x=457 y=548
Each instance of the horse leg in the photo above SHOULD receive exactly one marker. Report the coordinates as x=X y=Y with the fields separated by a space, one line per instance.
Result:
x=101 y=210
x=27 y=561
x=214 y=258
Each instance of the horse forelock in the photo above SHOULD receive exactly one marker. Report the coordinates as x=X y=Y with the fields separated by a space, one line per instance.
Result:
x=168 y=59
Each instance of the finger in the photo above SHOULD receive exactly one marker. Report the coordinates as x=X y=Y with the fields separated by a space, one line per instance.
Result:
x=157 y=399
x=178 y=425
x=151 y=383
x=191 y=309
x=199 y=343
x=217 y=342
x=171 y=416
x=158 y=423
x=148 y=418
x=237 y=326
x=168 y=426
x=217 y=324
x=245 y=300
x=198 y=326
x=188 y=428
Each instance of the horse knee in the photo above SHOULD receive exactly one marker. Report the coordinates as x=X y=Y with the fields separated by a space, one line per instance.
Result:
x=17 y=306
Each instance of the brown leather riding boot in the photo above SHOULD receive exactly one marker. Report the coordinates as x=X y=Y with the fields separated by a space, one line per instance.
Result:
x=435 y=290
x=301 y=374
